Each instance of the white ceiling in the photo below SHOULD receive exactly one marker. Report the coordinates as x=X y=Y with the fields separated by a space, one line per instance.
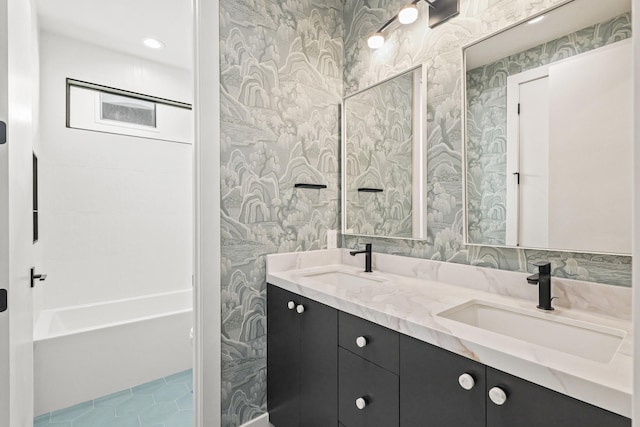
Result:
x=122 y=25
x=571 y=17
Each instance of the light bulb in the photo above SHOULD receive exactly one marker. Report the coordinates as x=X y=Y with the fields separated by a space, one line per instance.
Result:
x=408 y=14
x=376 y=40
x=153 y=43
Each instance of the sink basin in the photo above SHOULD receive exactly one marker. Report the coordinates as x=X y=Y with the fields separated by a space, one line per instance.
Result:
x=583 y=339
x=341 y=278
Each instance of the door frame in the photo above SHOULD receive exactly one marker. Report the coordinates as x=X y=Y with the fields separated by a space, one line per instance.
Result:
x=636 y=211
x=207 y=358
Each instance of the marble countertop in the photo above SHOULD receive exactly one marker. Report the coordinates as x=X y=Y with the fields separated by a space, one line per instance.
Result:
x=410 y=305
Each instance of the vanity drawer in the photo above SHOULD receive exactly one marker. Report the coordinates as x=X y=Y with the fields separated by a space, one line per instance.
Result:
x=373 y=342
x=378 y=389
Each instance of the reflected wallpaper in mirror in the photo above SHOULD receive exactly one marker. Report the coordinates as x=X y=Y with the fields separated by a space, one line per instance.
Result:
x=382 y=140
x=498 y=213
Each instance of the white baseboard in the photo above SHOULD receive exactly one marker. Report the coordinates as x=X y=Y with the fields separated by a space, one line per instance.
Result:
x=261 y=421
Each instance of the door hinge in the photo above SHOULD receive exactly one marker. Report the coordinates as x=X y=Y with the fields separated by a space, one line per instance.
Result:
x=518 y=108
x=4 y=303
x=3 y=133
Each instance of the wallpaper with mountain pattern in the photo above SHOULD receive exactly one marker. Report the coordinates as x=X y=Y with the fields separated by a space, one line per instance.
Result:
x=379 y=140
x=281 y=89
x=439 y=50
x=284 y=66
x=487 y=122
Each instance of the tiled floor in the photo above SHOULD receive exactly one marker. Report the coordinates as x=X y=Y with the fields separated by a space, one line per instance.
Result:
x=167 y=402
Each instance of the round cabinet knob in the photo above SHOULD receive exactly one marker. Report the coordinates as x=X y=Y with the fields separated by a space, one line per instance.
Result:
x=361 y=342
x=497 y=396
x=291 y=305
x=300 y=309
x=361 y=403
x=466 y=381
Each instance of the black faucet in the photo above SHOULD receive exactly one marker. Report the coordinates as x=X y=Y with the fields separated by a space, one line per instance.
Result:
x=543 y=280
x=367 y=260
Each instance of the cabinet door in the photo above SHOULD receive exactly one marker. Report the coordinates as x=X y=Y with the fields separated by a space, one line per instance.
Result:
x=319 y=365
x=530 y=405
x=430 y=394
x=377 y=387
x=283 y=358
x=380 y=345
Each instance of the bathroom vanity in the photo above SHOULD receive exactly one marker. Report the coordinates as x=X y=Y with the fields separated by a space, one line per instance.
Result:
x=384 y=349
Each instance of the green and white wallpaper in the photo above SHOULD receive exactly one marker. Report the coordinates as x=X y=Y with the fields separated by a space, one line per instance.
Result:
x=281 y=78
x=285 y=66
x=487 y=122
x=439 y=50
x=379 y=138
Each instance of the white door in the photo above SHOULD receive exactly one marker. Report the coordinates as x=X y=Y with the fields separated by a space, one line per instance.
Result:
x=528 y=158
x=534 y=164
x=17 y=86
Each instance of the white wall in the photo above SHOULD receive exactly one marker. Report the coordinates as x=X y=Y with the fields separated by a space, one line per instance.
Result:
x=590 y=151
x=115 y=211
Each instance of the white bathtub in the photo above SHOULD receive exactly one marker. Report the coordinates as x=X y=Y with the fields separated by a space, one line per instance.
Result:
x=88 y=351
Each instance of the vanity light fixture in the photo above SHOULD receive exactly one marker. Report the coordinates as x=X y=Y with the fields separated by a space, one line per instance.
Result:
x=408 y=14
x=376 y=40
x=439 y=12
x=153 y=43
x=536 y=19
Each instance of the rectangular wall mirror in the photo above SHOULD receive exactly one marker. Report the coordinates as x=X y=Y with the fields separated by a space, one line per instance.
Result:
x=548 y=131
x=384 y=159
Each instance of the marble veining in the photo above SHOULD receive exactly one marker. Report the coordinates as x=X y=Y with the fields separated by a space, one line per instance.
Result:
x=413 y=292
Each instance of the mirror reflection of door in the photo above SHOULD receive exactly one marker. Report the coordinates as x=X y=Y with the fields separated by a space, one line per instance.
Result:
x=528 y=191
x=558 y=135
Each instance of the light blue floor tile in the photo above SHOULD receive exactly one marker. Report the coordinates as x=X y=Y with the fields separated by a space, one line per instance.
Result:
x=157 y=414
x=71 y=413
x=149 y=388
x=181 y=419
x=114 y=399
x=185 y=403
x=185 y=377
x=98 y=417
x=135 y=405
x=170 y=392
x=124 y=422
x=167 y=402
x=42 y=420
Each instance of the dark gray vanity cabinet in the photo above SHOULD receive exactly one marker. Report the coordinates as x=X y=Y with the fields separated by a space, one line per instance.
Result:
x=368 y=393
x=302 y=361
x=368 y=373
x=328 y=368
x=433 y=393
x=430 y=390
x=530 y=405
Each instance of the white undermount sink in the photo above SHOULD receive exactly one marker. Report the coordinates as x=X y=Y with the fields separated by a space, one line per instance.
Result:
x=342 y=278
x=583 y=339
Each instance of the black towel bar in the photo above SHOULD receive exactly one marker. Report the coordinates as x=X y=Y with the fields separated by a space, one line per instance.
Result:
x=314 y=186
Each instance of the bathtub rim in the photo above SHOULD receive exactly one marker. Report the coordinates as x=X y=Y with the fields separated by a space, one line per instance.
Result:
x=46 y=316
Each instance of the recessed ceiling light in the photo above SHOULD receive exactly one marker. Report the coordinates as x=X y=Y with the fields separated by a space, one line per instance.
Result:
x=153 y=43
x=408 y=14
x=376 y=40
x=536 y=19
